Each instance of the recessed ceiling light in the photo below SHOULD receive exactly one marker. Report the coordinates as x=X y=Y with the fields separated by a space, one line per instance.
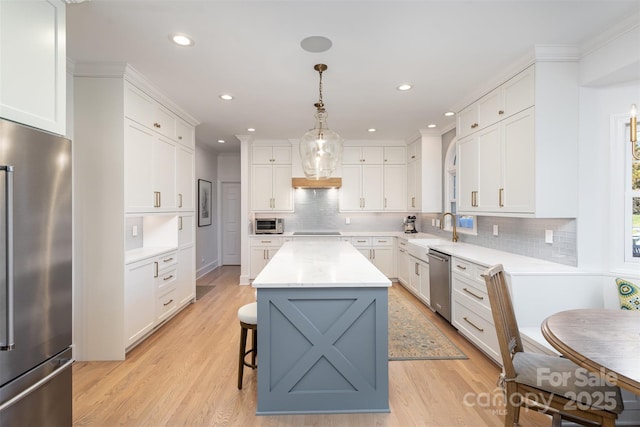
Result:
x=371 y=130
x=251 y=130
x=181 y=39
x=226 y=97
x=404 y=87
x=449 y=114
x=316 y=44
x=431 y=126
x=221 y=141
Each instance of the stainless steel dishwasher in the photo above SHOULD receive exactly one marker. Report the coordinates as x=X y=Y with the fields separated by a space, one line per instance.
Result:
x=440 y=283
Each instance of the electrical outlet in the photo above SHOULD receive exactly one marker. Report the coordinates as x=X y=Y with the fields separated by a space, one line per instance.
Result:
x=347 y=220
x=495 y=230
x=548 y=236
x=437 y=223
x=134 y=230
x=433 y=222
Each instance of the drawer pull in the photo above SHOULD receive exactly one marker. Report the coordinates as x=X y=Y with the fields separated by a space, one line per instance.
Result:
x=168 y=302
x=382 y=241
x=155 y=269
x=169 y=277
x=473 y=324
x=475 y=295
x=461 y=267
x=265 y=241
x=167 y=259
x=361 y=241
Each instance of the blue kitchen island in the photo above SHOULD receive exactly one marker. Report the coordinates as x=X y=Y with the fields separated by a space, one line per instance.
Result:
x=322 y=331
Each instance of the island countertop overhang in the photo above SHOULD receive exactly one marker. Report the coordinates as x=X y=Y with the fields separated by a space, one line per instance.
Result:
x=319 y=265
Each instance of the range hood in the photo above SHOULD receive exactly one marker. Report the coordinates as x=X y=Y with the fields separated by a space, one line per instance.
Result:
x=316 y=183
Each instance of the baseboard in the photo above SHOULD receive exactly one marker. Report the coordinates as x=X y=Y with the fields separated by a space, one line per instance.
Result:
x=206 y=269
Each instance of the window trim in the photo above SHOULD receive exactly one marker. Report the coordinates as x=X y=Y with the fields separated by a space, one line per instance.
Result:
x=451 y=168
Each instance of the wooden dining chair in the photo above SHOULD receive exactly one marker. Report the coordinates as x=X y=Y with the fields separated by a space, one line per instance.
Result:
x=550 y=384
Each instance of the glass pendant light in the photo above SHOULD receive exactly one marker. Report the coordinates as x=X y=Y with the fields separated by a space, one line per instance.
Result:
x=320 y=147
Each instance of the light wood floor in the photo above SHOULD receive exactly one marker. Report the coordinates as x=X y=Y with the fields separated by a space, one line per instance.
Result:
x=185 y=375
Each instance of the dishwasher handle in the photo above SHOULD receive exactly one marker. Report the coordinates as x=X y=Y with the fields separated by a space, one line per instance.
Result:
x=437 y=257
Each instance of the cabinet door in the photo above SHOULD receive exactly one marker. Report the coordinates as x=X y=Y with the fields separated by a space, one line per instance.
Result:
x=33 y=87
x=425 y=290
x=413 y=194
x=489 y=107
x=372 y=187
x=164 y=172
x=395 y=155
x=350 y=195
x=186 y=281
x=258 y=260
x=184 y=178
x=366 y=252
x=282 y=155
x=403 y=266
x=518 y=93
x=518 y=185
x=413 y=150
x=282 y=189
x=352 y=155
x=261 y=187
x=395 y=188
x=164 y=121
x=373 y=155
x=467 y=173
x=414 y=275
x=186 y=230
x=467 y=121
x=185 y=134
x=139 y=297
x=383 y=259
x=138 y=170
x=490 y=168
x=138 y=106
x=261 y=154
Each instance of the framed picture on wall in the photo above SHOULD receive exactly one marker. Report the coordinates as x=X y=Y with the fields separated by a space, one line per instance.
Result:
x=204 y=203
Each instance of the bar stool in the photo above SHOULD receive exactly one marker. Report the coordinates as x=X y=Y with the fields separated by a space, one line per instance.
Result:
x=248 y=316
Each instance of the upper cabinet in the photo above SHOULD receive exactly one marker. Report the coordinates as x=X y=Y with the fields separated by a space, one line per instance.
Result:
x=517 y=155
x=266 y=154
x=271 y=188
x=424 y=173
x=363 y=155
x=33 y=64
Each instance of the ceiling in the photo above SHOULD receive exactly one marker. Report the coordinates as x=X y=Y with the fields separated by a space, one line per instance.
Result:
x=251 y=49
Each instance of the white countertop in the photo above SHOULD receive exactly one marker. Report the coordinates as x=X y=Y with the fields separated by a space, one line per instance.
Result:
x=319 y=265
x=139 y=254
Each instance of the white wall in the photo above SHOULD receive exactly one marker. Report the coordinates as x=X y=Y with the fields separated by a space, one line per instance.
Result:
x=229 y=167
x=207 y=255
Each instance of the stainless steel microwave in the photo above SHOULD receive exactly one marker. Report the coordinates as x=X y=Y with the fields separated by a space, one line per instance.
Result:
x=269 y=226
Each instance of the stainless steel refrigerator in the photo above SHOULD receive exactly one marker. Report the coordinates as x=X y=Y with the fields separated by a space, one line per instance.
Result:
x=35 y=277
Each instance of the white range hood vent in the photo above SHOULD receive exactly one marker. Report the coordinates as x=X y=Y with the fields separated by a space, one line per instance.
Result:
x=316 y=183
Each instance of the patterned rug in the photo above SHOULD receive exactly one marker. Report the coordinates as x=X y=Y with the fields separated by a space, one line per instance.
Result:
x=412 y=336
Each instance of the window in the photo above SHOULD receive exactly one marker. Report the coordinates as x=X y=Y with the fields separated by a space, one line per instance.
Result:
x=466 y=224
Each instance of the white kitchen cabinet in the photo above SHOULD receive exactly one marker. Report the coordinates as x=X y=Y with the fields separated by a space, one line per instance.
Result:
x=186 y=269
x=413 y=184
x=146 y=111
x=513 y=167
x=185 y=134
x=150 y=170
x=271 y=154
x=185 y=178
x=471 y=310
x=362 y=188
x=395 y=188
x=355 y=155
x=166 y=279
x=271 y=188
x=424 y=173
x=262 y=251
x=378 y=250
x=402 y=263
x=419 y=279
x=139 y=294
x=118 y=165
x=395 y=155
x=33 y=64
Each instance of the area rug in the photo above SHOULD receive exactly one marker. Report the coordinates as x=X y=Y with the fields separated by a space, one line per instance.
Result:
x=412 y=336
x=202 y=290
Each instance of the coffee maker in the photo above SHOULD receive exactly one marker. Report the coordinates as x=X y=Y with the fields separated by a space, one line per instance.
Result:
x=410 y=224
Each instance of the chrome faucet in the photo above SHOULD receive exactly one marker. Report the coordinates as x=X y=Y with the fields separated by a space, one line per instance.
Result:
x=454 y=237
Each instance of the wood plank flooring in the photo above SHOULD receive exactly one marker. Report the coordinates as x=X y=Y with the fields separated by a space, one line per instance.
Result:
x=185 y=375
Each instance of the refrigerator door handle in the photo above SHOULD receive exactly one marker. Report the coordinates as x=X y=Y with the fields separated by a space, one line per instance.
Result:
x=7 y=340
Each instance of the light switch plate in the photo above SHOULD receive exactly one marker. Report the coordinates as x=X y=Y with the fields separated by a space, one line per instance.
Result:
x=548 y=236
x=347 y=220
x=495 y=230
x=134 y=230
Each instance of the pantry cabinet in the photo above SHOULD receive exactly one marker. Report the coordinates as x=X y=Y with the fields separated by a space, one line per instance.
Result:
x=126 y=169
x=395 y=189
x=33 y=88
x=522 y=159
x=424 y=173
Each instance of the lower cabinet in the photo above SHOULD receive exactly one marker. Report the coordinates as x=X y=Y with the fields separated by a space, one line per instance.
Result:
x=402 y=265
x=419 y=279
x=262 y=250
x=471 y=310
x=378 y=250
x=150 y=295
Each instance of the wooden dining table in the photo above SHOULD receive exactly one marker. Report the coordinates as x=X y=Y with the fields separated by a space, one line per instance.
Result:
x=604 y=341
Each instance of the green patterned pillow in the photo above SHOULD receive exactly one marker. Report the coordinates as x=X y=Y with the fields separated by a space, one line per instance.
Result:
x=629 y=295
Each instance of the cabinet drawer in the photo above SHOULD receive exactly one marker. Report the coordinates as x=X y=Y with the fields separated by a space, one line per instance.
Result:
x=166 y=261
x=468 y=269
x=477 y=329
x=403 y=243
x=361 y=241
x=167 y=304
x=382 y=241
x=166 y=278
x=266 y=241
x=472 y=291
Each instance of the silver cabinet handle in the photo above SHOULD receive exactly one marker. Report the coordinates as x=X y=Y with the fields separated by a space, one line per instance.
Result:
x=168 y=302
x=461 y=267
x=473 y=324
x=474 y=294
x=169 y=277
x=179 y=223
x=167 y=259
x=8 y=343
x=180 y=200
x=374 y=253
x=157 y=201
x=155 y=269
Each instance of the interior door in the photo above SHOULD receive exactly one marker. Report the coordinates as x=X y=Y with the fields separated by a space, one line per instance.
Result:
x=230 y=223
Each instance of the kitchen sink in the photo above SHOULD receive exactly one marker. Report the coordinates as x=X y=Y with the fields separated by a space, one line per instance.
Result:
x=316 y=233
